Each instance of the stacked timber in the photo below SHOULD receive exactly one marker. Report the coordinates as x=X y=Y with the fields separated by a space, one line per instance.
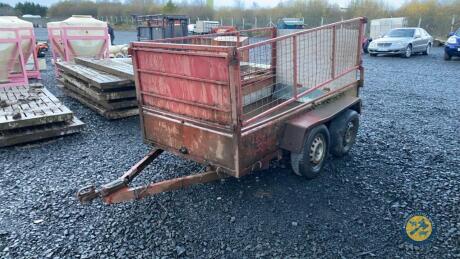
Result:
x=105 y=86
x=31 y=113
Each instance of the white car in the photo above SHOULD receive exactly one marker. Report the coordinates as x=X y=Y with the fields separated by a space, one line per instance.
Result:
x=191 y=28
x=402 y=41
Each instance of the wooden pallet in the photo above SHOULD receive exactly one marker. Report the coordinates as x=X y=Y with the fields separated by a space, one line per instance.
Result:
x=94 y=97
x=40 y=132
x=101 y=80
x=98 y=95
x=118 y=68
x=124 y=60
x=31 y=105
x=97 y=107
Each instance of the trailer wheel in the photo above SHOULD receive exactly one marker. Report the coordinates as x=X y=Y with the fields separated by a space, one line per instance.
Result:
x=343 y=131
x=310 y=162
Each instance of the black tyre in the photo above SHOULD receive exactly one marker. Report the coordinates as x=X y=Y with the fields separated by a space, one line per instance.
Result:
x=408 y=52
x=373 y=55
x=344 y=130
x=310 y=161
x=366 y=47
x=428 y=50
x=447 y=56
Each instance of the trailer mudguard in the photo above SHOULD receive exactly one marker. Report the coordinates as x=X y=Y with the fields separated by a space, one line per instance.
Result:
x=296 y=128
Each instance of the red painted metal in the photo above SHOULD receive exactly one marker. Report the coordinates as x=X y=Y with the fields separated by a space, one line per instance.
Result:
x=294 y=67
x=334 y=47
x=193 y=93
x=194 y=100
x=194 y=97
x=137 y=193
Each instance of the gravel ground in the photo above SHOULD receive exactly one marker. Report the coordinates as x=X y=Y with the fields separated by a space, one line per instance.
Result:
x=406 y=160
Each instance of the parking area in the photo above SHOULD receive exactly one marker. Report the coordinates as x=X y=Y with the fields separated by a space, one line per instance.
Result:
x=405 y=160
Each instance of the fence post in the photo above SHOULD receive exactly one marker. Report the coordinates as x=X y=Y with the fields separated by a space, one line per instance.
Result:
x=419 y=21
x=243 y=22
x=453 y=23
x=221 y=22
x=255 y=22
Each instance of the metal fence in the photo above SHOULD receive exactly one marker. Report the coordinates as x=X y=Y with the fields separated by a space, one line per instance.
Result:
x=438 y=27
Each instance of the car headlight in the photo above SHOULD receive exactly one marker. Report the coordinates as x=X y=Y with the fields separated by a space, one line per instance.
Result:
x=372 y=44
x=452 y=40
x=397 y=44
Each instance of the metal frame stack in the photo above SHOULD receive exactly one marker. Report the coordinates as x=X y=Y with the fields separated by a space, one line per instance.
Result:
x=161 y=26
x=21 y=78
x=105 y=86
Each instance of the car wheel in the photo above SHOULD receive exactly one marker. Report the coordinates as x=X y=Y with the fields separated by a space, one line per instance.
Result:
x=428 y=49
x=344 y=130
x=310 y=161
x=447 y=56
x=408 y=52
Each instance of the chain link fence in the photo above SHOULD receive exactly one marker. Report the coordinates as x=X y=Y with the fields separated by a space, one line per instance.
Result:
x=438 y=27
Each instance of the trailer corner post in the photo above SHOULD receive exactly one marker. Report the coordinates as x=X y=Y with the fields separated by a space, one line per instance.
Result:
x=137 y=82
x=362 y=29
x=294 y=67
x=237 y=107
x=334 y=40
x=273 y=50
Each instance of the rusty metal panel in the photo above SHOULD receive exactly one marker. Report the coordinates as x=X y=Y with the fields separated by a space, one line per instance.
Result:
x=201 y=100
x=196 y=143
x=199 y=65
x=257 y=145
x=227 y=106
x=196 y=85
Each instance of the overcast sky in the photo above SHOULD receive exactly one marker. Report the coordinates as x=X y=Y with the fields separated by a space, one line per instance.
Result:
x=342 y=3
x=270 y=3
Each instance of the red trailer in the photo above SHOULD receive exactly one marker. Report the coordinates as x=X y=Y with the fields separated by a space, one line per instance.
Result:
x=234 y=108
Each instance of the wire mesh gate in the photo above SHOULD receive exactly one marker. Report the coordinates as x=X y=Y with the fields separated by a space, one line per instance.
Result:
x=299 y=67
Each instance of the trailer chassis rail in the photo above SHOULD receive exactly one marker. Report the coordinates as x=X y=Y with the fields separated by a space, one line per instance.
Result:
x=119 y=191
